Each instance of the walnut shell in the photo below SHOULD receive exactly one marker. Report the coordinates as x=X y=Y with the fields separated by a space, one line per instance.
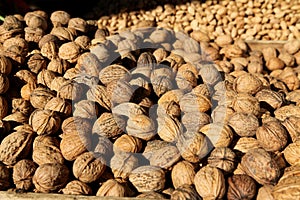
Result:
x=210 y=183
x=243 y=124
x=85 y=109
x=183 y=173
x=113 y=188
x=4 y=107
x=4 y=83
x=222 y=158
x=244 y=144
x=44 y=122
x=78 y=188
x=45 y=77
x=292 y=125
x=287 y=111
x=151 y=195
x=259 y=164
x=59 y=105
x=58 y=65
x=78 y=24
x=50 y=177
x=241 y=186
x=69 y=51
x=40 y=96
x=272 y=136
x=265 y=193
x=113 y=72
x=246 y=103
x=98 y=93
x=70 y=90
x=122 y=164
x=59 y=18
x=15 y=147
x=291 y=153
x=141 y=126
x=46 y=150
x=185 y=192
x=148 y=178
x=168 y=128
x=88 y=167
x=23 y=172
x=5 y=65
x=128 y=143
x=194 y=121
x=272 y=98
x=73 y=125
x=191 y=102
x=247 y=83
x=89 y=64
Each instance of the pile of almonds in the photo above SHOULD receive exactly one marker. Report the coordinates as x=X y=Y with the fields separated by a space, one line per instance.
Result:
x=149 y=113
x=246 y=19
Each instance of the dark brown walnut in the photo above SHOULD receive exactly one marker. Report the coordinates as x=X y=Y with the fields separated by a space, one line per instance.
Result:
x=85 y=109
x=59 y=105
x=223 y=158
x=113 y=188
x=141 y=126
x=245 y=103
x=241 y=186
x=107 y=125
x=151 y=195
x=45 y=77
x=185 y=192
x=44 y=122
x=40 y=96
x=259 y=164
x=220 y=135
x=272 y=98
x=210 y=183
x=46 y=150
x=113 y=72
x=50 y=177
x=4 y=83
x=77 y=187
x=247 y=83
x=193 y=146
x=5 y=176
x=194 y=102
x=89 y=167
x=148 y=178
x=164 y=157
x=183 y=173
x=4 y=107
x=292 y=125
x=23 y=172
x=122 y=164
x=58 y=65
x=128 y=143
x=15 y=147
x=5 y=65
x=168 y=128
x=272 y=136
x=59 y=18
x=89 y=64
x=243 y=124
x=64 y=34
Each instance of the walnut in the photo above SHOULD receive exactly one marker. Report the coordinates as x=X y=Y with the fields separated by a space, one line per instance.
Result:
x=244 y=144
x=5 y=65
x=15 y=147
x=122 y=164
x=88 y=167
x=141 y=126
x=272 y=98
x=259 y=164
x=168 y=128
x=272 y=136
x=89 y=64
x=70 y=90
x=44 y=122
x=4 y=107
x=185 y=192
x=64 y=34
x=33 y=34
x=83 y=41
x=59 y=18
x=17 y=117
x=113 y=72
x=50 y=50
x=210 y=183
x=191 y=102
x=292 y=125
x=292 y=46
x=183 y=173
x=246 y=103
x=291 y=153
x=161 y=84
x=247 y=83
x=286 y=111
x=151 y=195
x=104 y=147
x=4 y=83
x=59 y=105
x=243 y=124
x=269 y=53
x=128 y=143
x=58 y=65
x=5 y=177
x=241 y=186
x=148 y=178
x=186 y=80
x=77 y=187
x=74 y=125
x=222 y=158
x=45 y=77
x=46 y=150
x=16 y=48
x=98 y=93
x=78 y=24
x=36 y=19
x=23 y=172
x=265 y=193
x=113 y=188
x=50 y=177
x=40 y=96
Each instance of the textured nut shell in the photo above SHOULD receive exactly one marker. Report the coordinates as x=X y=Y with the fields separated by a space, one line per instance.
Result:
x=112 y=188
x=44 y=122
x=4 y=83
x=40 y=96
x=85 y=109
x=210 y=183
x=246 y=103
x=88 y=167
x=151 y=195
x=50 y=177
x=69 y=51
x=241 y=187
x=59 y=105
x=185 y=192
x=258 y=164
x=4 y=107
x=286 y=111
x=128 y=143
x=244 y=144
x=45 y=77
x=223 y=158
x=23 y=172
x=46 y=150
x=183 y=173
x=99 y=94
x=292 y=153
x=148 y=178
x=122 y=164
x=273 y=98
x=141 y=126
x=265 y=193
x=107 y=126
x=113 y=72
x=15 y=147
x=77 y=187
x=247 y=83
x=243 y=124
x=168 y=128
x=191 y=102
